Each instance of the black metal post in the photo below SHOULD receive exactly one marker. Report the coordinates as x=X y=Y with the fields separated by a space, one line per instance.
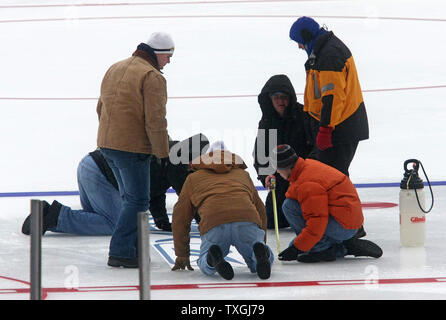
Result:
x=36 y=250
x=144 y=255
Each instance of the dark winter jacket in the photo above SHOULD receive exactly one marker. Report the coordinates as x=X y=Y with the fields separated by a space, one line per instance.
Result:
x=333 y=96
x=291 y=129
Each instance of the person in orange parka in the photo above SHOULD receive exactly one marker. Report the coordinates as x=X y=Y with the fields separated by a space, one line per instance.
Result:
x=323 y=208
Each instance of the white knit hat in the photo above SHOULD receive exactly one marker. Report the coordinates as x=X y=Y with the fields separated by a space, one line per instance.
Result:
x=161 y=42
x=217 y=145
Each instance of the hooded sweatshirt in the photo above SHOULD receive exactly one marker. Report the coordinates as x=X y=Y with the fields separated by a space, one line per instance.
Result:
x=291 y=128
x=222 y=192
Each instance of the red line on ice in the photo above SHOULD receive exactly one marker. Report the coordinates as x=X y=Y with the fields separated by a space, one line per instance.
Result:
x=227 y=285
x=212 y=96
x=216 y=16
x=378 y=205
x=22 y=6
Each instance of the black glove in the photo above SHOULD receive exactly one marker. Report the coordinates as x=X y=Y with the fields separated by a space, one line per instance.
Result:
x=289 y=254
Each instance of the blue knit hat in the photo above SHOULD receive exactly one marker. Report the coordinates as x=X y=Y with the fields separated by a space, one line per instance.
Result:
x=305 y=31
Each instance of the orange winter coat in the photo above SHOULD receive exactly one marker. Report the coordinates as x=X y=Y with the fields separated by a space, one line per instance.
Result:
x=322 y=191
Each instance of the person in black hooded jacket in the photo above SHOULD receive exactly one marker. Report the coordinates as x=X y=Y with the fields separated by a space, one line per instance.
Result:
x=282 y=112
x=100 y=197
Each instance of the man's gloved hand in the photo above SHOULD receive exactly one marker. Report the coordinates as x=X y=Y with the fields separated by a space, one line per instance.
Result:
x=268 y=182
x=182 y=263
x=323 y=139
x=289 y=254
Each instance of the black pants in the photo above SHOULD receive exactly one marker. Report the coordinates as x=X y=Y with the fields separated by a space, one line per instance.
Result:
x=174 y=176
x=339 y=156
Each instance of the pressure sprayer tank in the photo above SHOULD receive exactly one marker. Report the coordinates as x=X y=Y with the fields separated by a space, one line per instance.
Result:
x=412 y=200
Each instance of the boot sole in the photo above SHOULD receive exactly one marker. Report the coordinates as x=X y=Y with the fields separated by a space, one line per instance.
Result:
x=223 y=268
x=263 y=265
x=317 y=257
x=26 y=227
x=364 y=248
x=120 y=264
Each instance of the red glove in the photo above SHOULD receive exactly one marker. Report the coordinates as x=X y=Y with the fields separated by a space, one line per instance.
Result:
x=323 y=139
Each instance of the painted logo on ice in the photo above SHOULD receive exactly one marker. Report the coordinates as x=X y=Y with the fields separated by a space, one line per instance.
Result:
x=162 y=242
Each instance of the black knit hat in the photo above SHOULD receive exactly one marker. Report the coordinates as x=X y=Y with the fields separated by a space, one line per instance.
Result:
x=283 y=157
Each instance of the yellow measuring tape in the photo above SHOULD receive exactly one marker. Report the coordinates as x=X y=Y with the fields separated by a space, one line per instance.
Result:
x=276 y=223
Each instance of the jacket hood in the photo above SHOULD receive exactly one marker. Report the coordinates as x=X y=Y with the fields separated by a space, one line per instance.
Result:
x=276 y=83
x=219 y=161
x=306 y=31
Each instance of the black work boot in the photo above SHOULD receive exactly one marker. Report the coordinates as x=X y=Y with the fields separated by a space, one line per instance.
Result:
x=360 y=233
x=123 y=262
x=325 y=255
x=26 y=227
x=52 y=216
x=215 y=259
x=362 y=248
x=163 y=224
x=49 y=218
x=263 y=265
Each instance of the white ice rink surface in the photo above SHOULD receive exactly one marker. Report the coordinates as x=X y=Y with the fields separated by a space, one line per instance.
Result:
x=53 y=58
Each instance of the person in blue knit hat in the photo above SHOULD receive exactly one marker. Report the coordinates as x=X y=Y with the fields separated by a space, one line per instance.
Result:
x=333 y=98
x=305 y=31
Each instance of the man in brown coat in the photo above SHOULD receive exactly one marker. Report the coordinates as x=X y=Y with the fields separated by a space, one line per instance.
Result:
x=132 y=127
x=231 y=213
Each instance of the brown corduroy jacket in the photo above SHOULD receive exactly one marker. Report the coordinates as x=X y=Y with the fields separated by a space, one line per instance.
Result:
x=132 y=107
x=222 y=192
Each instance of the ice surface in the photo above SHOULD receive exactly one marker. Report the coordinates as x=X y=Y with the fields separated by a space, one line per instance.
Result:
x=54 y=57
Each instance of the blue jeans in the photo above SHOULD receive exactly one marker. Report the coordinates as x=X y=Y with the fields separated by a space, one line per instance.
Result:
x=334 y=234
x=242 y=235
x=101 y=204
x=132 y=172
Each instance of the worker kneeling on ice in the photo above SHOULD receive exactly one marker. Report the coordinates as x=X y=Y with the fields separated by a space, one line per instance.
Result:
x=323 y=208
x=231 y=213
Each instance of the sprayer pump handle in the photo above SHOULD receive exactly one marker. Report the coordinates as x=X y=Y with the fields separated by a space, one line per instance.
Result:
x=415 y=167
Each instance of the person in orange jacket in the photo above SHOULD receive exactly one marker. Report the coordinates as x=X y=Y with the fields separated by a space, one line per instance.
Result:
x=323 y=208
